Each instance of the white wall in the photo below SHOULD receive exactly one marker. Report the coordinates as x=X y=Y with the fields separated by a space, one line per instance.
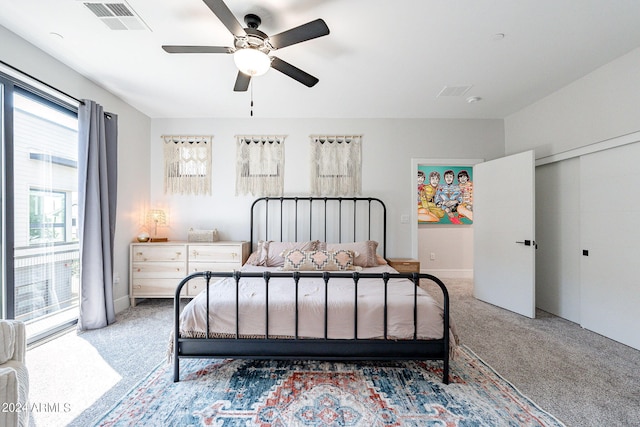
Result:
x=388 y=147
x=133 y=143
x=452 y=247
x=597 y=107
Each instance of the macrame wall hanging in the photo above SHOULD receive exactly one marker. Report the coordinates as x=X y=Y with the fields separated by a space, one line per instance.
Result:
x=187 y=164
x=260 y=165
x=336 y=165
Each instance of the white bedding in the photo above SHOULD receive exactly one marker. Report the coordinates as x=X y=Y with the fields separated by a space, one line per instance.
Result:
x=311 y=308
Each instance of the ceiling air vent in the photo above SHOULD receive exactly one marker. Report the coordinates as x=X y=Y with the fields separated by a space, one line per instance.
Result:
x=117 y=16
x=454 y=91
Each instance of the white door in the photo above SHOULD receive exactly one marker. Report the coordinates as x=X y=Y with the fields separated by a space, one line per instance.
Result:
x=609 y=268
x=504 y=232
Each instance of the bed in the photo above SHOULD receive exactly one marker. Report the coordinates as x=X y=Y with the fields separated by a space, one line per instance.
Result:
x=315 y=287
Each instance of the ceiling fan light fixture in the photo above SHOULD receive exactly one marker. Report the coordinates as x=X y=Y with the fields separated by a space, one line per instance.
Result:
x=251 y=61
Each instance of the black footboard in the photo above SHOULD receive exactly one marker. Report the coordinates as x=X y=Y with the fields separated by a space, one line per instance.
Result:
x=325 y=348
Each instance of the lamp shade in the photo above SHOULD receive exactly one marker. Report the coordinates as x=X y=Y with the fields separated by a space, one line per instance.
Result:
x=157 y=217
x=252 y=62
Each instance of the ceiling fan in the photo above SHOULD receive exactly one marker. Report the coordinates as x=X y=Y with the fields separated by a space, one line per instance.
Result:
x=252 y=47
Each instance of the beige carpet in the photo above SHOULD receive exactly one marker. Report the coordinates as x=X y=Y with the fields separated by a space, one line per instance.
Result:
x=580 y=377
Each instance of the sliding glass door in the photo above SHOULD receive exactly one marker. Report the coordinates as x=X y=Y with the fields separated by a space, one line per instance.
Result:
x=6 y=298
x=40 y=210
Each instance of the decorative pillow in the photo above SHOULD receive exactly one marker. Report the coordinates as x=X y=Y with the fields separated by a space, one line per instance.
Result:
x=253 y=258
x=381 y=261
x=366 y=255
x=8 y=340
x=259 y=257
x=275 y=251
x=299 y=260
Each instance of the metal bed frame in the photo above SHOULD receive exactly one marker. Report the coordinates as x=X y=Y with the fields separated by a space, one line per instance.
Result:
x=313 y=348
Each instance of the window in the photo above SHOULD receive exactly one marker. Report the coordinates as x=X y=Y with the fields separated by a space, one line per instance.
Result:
x=47 y=217
x=40 y=177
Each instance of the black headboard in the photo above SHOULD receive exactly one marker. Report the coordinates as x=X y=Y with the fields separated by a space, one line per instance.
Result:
x=330 y=219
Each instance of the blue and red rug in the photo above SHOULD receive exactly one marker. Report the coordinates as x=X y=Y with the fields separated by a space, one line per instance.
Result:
x=312 y=393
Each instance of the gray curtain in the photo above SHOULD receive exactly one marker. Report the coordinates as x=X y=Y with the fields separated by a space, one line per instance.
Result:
x=97 y=169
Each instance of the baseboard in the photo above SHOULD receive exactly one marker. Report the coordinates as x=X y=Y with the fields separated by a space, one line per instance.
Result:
x=450 y=273
x=121 y=303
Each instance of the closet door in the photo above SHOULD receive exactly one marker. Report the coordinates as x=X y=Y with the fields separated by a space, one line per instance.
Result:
x=558 y=236
x=609 y=228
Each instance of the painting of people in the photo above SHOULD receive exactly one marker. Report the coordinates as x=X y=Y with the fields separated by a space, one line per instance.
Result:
x=445 y=194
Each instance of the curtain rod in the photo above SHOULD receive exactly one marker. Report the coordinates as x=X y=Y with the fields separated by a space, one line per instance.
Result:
x=41 y=82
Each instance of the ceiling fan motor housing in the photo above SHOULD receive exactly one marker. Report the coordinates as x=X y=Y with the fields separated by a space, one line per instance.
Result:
x=255 y=39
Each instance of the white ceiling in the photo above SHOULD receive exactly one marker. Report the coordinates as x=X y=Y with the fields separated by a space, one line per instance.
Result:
x=382 y=59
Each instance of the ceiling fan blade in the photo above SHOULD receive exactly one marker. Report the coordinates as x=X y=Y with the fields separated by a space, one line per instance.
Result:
x=242 y=82
x=308 y=31
x=220 y=9
x=197 y=49
x=293 y=72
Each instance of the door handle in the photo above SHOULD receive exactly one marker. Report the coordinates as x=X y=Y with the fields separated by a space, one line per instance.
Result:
x=528 y=243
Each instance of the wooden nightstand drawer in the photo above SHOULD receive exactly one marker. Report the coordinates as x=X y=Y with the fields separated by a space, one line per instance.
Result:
x=405 y=265
x=217 y=253
x=196 y=267
x=155 y=288
x=158 y=270
x=158 y=253
x=195 y=286
x=198 y=284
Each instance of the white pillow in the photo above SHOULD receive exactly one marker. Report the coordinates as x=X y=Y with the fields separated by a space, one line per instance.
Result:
x=8 y=340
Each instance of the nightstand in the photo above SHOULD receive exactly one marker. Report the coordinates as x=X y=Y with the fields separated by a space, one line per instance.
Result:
x=405 y=265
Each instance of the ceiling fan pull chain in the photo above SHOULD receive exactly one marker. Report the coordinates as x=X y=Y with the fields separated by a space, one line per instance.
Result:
x=252 y=98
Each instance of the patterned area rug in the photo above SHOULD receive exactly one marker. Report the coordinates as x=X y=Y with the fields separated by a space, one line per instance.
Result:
x=313 y=393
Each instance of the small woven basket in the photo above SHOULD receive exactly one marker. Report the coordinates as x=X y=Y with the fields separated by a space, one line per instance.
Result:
x=203 y=235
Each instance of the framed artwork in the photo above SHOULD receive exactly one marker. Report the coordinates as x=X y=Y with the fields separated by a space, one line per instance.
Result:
x=444 y=194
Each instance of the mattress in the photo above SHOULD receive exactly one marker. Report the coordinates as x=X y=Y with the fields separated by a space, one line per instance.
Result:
x=340 y=309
